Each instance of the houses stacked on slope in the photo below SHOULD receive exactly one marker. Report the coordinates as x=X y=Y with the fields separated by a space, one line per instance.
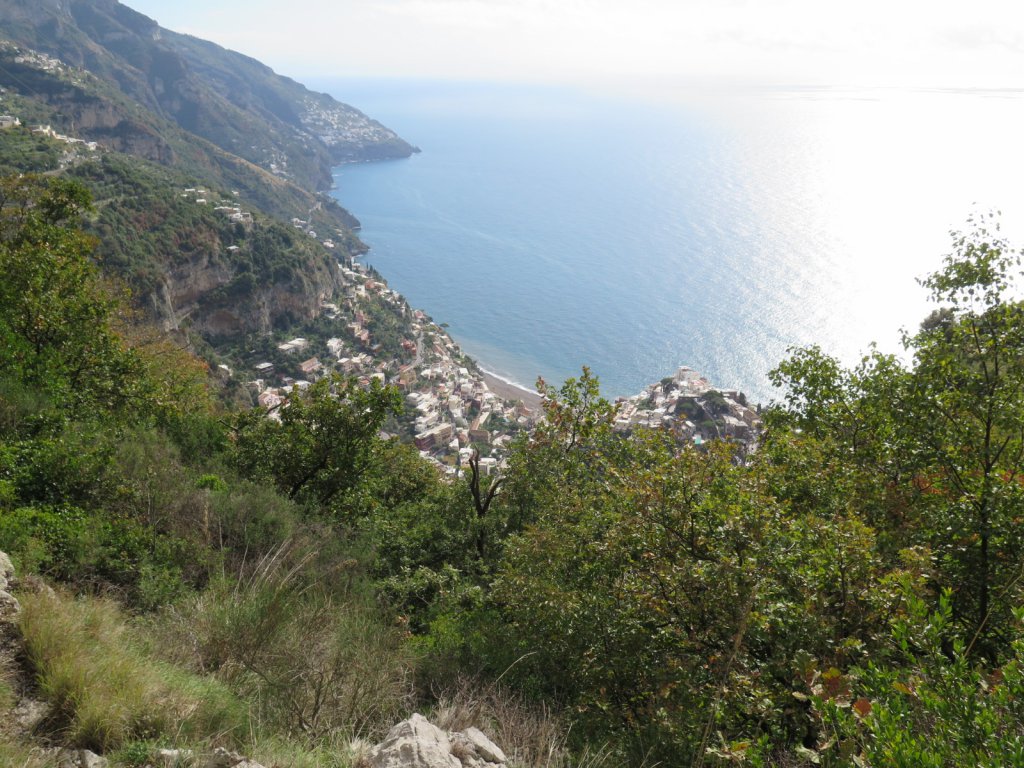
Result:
x=450 y=411
x=691 y=406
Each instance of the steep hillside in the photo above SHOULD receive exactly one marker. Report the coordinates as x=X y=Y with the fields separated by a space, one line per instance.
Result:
x=229 y=99
x=221 y=261
x=43 y=90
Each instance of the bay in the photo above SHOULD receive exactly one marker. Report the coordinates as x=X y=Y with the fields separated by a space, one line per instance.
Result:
x=553 y=228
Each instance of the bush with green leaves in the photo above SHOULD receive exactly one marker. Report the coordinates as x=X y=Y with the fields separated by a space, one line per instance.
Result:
x=930 y=703
x=322 y=443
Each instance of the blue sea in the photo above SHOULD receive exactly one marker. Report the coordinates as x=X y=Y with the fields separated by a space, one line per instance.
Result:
x=634 y=232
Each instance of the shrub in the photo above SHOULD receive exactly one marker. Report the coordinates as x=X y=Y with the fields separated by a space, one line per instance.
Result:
x=93 y=548
x=932 y=704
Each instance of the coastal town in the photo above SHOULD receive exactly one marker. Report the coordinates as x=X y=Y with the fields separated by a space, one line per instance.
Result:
x=338 y=124
x=452 y=409
x=690 y=406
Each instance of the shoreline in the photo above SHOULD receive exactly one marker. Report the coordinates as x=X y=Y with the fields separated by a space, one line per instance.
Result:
x=510 y=390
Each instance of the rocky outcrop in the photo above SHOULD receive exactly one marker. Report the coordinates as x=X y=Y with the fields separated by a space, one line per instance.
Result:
x=28 y=712
x=8 y=604
x=78 y=758
x=199 y=293
x=6 y=570
x=418 y=743
x=476 y=749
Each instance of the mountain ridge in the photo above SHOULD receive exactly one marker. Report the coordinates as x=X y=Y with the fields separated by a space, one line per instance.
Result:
x=165 y=113
x=225 y=97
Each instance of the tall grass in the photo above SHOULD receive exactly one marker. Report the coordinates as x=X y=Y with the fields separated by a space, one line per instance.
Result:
x=315 y=663
x=107 y=690
x=527 y=732
x=14 y=755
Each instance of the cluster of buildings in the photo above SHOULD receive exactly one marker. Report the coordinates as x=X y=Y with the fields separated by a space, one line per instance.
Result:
x=690 y=405
x=234 y=213
x=43 y=62
x=455 y=413
x=307 y=228
x=36 y=60
x=46 y=130
x=336 y=124
x=229 y=209
x=12 y=121
x=198 y=195
x=450 y=411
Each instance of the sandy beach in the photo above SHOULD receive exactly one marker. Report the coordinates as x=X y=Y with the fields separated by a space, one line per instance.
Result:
x=510 y=391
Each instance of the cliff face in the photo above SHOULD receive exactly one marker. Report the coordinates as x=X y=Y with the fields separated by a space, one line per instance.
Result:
x=209 y=294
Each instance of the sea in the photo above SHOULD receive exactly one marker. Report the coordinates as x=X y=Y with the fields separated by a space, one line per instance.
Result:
x=634 y=231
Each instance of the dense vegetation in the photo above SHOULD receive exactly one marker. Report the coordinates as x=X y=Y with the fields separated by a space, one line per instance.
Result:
x=850 y=594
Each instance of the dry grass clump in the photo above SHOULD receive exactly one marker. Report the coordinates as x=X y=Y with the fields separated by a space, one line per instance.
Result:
x=107 y=690
x=316 y=664
x=14 y=755
x=334 y=751
x=527 y=733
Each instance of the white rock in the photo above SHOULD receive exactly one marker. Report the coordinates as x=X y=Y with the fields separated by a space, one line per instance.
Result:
x=29 y=714
x=414 y=743
x=174 y=758
x=484 y=747
x=221 y=758
x=9 y=606
x=89 y=760
x=6 y=571
x=80 y=758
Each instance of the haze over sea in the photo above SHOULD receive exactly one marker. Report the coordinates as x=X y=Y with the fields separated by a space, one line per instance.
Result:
x=555 y=228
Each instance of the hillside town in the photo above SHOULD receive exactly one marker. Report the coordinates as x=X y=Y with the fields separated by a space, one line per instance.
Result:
x=338 y=124
x=691 y=406
x=450 y=411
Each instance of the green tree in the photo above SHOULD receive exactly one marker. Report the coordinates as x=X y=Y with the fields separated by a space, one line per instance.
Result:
x=661 y=591
x=319 y=444
x=966 y=407
x=930 y=454
x=56 y=332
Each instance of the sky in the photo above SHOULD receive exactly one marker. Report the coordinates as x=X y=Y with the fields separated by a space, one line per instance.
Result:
x=926 y=43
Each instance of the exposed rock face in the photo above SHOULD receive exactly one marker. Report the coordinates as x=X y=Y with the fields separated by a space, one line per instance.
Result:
x=80 y=758
x=8 y=604
x=417 y=743
x=6 y=570
x=187 y=293
x=27 y=712
x=478 y=750
x=221 y=758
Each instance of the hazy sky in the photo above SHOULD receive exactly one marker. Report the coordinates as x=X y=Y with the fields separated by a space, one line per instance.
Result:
x=949 y=43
